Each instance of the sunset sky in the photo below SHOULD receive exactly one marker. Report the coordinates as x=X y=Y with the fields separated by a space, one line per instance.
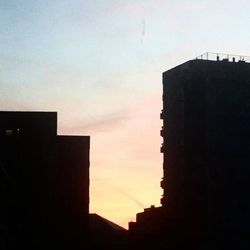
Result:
x=98 y=63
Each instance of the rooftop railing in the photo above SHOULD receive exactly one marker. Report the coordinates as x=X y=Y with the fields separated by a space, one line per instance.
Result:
x=223 y=57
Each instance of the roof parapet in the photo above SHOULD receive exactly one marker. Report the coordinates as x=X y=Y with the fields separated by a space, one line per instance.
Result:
x=211 y=56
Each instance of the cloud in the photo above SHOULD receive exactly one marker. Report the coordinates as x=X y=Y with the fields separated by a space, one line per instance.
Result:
x=129 y=196
x=97 y=124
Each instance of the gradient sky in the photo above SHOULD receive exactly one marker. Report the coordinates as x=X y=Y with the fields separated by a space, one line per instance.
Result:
x=98 y=63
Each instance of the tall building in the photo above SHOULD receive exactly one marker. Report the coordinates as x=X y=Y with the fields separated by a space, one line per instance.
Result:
x=206 y=145
x=44 y=183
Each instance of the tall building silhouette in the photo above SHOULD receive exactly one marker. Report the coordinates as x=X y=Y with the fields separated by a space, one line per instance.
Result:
x=44 y=183
x=206 y=159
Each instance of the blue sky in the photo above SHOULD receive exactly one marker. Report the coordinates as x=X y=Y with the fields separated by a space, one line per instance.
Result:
x=99 y=64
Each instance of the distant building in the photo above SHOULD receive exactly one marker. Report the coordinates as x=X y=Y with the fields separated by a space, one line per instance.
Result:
x=105 y=234
x=206 y=159
x=44 y=183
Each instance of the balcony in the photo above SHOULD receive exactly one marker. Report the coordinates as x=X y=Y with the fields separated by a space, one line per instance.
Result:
x=162 y=131
x=162 y=114
x=162 y=183
x=162 y=148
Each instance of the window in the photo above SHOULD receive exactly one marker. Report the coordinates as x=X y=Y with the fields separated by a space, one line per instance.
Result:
x=11 y=132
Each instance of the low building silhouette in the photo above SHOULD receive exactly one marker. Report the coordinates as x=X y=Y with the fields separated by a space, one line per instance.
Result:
x=206 y=145
x=44 y=183
x=105 y=234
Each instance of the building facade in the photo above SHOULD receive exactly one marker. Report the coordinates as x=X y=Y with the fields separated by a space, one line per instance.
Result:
x=206 y=131
x=206 y=143
x=44 y=183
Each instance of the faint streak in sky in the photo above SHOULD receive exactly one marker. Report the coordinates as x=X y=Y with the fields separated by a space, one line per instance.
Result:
x=106 y=122
x=143 y=27
x=143 y=32
x=130 y=197
x=124 y=193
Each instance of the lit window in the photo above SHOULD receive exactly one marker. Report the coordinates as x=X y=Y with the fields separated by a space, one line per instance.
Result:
x=11 y=132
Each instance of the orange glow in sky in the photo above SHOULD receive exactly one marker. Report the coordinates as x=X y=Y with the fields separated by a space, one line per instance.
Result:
x=126 y=164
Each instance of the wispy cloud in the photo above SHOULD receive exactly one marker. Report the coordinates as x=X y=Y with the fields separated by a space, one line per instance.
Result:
x=98 y=124
x=128 y=195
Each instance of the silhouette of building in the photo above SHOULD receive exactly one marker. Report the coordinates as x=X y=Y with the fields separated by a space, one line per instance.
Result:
x=206 y=145
x=105 y=234
x=44 y=183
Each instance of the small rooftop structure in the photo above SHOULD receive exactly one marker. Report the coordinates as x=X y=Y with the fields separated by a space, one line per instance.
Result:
x=211 y=56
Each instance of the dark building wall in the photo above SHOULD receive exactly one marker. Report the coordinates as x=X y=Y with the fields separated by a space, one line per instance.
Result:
x=206 y=143
x=45 y=184
x=184 y=141
x=73 y=186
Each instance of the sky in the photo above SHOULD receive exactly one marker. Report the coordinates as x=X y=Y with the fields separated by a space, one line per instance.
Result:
x=99 y=64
